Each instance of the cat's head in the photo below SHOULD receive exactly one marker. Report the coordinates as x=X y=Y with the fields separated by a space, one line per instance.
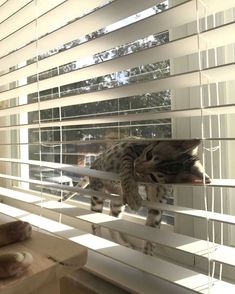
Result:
x=171 y=162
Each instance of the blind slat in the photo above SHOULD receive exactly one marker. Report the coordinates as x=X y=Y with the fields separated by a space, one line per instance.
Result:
x=44 y=24
x=2 y=2
x=10 y=7
x=159 y=53
x=208 y=215
x=155 y=266
x=198 y=68
x=164 y=238
x=26 y=17
x=177 y=81
x=128 y=32
x=111 y=119
x=76 y=170
x=68 y=168
x=175 y=16
x=166 y=270
x=220 y=73
x=213 y=74
x=181 y=47
x=151 y=115
x=100 y=18
x=214 y=6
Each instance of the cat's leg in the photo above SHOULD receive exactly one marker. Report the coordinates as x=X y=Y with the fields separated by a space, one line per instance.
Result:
x=15 y=263
x=116 y=208
x=97 y=204
x=154 y=194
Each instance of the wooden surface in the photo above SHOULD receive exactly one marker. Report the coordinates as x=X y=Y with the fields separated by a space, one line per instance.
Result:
x=53 y=259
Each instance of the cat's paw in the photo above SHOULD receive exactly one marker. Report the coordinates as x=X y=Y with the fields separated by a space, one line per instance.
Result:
x=133 y=201
x=149 y=248
x=96 y=230
x=14 y=231
x=14 y=264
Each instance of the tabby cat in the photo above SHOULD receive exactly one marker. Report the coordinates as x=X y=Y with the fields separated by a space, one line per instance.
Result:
x=160 y=162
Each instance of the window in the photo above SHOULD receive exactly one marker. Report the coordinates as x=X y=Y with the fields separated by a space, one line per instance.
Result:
x=106 y=71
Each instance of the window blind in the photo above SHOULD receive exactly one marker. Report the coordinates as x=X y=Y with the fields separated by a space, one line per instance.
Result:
x=77 y=76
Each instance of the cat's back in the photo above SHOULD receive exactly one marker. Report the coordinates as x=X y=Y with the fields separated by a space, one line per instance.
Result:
x=112 y=158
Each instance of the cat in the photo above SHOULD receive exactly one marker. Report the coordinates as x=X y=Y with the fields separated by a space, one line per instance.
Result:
x=14 y=264
x=159 y=163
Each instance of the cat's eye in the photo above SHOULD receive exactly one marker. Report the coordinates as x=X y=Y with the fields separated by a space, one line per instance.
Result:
x=149 y=155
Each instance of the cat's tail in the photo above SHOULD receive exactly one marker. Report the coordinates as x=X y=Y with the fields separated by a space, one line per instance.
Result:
x=82 y=183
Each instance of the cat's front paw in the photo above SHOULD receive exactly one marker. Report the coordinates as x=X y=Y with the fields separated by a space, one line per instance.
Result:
x=133 y=201
x=149 y=248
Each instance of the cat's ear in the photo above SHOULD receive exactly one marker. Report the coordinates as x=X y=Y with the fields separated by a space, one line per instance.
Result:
x=186 y=145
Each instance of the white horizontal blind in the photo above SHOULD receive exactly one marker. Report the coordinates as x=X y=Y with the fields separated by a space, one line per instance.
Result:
x=77 y=76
